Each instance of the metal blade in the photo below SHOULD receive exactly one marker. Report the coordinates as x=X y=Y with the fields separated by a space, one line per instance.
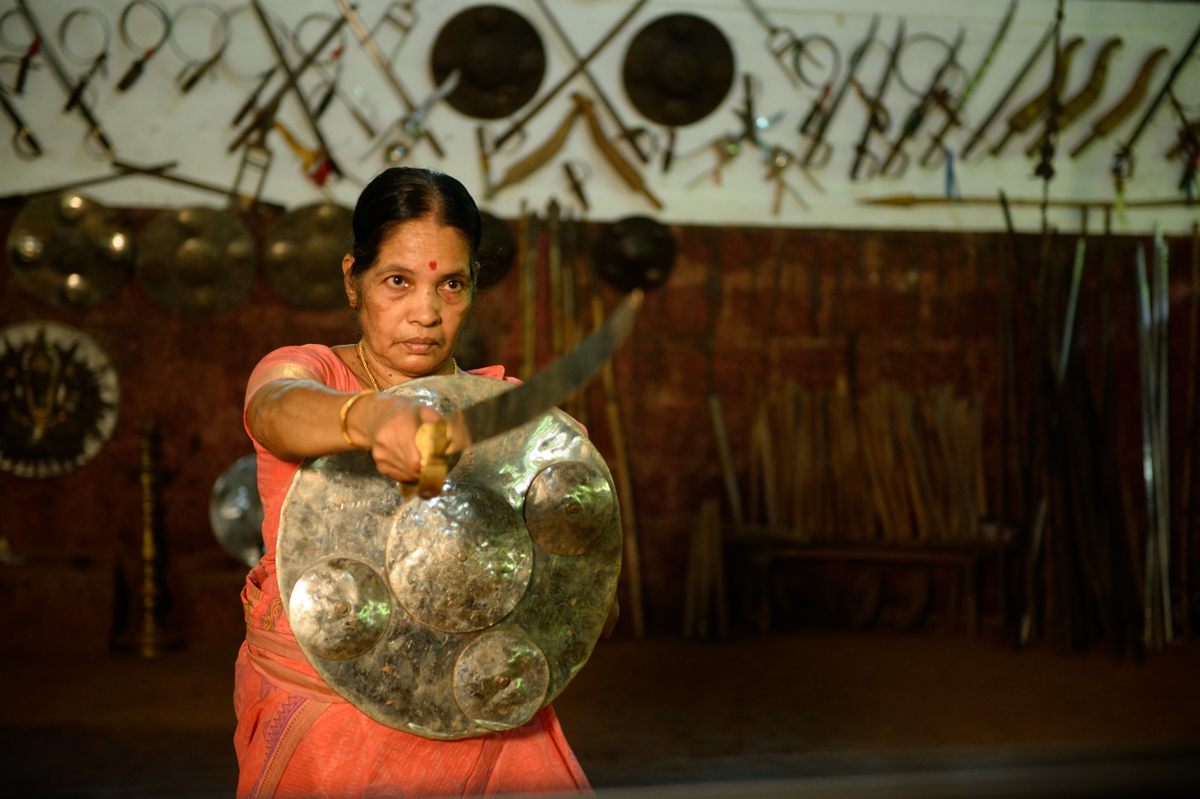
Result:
x=556 y=382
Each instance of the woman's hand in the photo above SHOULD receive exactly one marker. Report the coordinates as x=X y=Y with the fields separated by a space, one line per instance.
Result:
x=388 y=424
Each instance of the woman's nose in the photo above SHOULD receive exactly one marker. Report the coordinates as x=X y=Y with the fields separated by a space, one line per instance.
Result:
x=427 y=308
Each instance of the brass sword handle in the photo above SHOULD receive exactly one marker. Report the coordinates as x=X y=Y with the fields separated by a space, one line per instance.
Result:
x=433 y=438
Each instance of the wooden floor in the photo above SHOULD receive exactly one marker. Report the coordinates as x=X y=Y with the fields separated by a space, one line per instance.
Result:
x=663 y=712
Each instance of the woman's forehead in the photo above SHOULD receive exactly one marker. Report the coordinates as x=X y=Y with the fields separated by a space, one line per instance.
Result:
x=423 y=234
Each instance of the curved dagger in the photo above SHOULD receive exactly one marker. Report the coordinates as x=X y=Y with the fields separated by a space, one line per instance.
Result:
x=1087 y=96
x=1121 y=109
x=1024 y=117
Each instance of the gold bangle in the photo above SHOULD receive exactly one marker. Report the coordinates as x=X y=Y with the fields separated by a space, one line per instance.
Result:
x=344 y=414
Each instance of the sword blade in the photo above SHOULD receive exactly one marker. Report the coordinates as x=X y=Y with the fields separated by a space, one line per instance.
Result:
x=556 y=382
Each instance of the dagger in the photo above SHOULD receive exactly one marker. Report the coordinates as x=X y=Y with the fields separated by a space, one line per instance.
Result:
x=521 y=404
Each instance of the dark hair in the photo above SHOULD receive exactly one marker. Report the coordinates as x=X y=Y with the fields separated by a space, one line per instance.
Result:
x=404 y=193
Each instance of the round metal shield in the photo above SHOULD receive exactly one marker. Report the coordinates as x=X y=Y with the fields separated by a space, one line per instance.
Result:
x=678 y=69
x=496 y=251
x=500 y=57
x=196 y=262
x=303 y=253
x=235 y=510
x=451 y=617
x=635 y=252
x=69 y=251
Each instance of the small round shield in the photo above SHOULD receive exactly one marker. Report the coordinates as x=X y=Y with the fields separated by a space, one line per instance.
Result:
x=496 y=251
x=463 y=614
x=635 y=252
x=69 y=251
x=196 y=262
x=304 y=252
x=500 y=57
x=678 y=69
x=235 y=511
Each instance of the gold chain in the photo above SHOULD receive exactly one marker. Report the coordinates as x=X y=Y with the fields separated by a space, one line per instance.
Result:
x=362 y=358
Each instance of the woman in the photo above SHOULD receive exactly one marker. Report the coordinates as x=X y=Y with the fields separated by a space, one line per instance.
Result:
x=410 y=277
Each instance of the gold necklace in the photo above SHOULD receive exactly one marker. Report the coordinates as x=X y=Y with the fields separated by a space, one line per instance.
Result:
x=362 y=358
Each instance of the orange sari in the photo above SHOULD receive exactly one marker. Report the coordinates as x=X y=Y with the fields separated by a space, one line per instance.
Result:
x=295 y=737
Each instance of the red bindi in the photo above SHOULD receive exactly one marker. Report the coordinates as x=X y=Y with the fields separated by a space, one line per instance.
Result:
x=432 y=265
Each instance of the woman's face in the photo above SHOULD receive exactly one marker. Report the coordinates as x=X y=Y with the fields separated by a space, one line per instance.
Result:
x=413 y=300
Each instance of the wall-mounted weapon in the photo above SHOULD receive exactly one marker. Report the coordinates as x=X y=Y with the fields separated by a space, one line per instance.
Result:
x=630 y=135
x=1032 y=110
x=1015 y=84
x=1128 y=103
x=877 y=117
x=816 y=139
x=580 y=64
x=1123 y=159
x=1079 y=103
x=954 y=109
x=24 y=143
x=95 y=132
x=365 y=39
x=916 y=116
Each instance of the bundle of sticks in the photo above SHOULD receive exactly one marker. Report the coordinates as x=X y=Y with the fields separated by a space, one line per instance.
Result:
x=893 y=467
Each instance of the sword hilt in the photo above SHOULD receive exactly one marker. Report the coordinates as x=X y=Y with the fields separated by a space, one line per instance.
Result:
x=433 y=439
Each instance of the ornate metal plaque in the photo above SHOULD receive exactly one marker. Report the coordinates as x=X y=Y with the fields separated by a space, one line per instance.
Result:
x=59 y=397
x=467 y=613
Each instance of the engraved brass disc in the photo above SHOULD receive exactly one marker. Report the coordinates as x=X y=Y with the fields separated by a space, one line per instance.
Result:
x=196 y=262
x=470 y=576
x=303 y=254
x=341 y=607
x=69 y=251
x=500 y=58
x=678 y=69
x=568 y=507
x=501 y=677
x=485 y=623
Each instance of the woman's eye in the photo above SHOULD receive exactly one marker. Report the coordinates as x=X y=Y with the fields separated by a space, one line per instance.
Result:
x=396 y=280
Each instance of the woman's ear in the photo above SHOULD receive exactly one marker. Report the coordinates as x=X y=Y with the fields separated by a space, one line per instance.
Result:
x=348 y=281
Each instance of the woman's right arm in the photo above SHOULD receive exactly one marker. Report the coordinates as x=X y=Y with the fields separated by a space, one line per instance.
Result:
x=297 y=418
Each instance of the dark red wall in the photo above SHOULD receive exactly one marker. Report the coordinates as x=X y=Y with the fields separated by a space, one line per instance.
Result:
x=920 y=307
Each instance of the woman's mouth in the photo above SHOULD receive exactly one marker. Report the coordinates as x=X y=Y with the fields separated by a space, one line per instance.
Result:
x=419 y=346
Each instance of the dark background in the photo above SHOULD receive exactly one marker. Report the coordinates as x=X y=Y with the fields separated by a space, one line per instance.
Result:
x=915 y=309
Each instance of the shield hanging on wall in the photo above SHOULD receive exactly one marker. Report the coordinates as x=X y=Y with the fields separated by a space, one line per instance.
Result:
x=500 y=57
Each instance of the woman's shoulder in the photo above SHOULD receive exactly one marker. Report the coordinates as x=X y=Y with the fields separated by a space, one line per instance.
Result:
x=494 y=372
x=304 y=361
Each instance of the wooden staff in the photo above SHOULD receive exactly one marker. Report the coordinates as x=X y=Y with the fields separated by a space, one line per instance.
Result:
x=554 y=275
x=577 y=279
x=150 y=640
x=527 y=258
x=716 y=414
x=616 y=426
x=1189 y=441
